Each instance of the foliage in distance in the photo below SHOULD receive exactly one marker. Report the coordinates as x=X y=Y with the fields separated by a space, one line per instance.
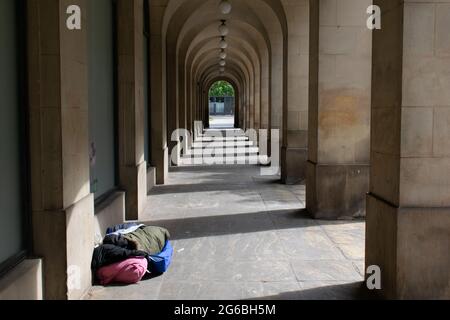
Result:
x=221 y=89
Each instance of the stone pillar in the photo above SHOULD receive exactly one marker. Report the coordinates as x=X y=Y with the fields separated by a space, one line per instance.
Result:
x=295 y=146
x=184 y=112
x=408 y=207
x=237 y=108
x=339 y=109
x=205 y=107
x=62 y=205
x=132 y=165
x=258 y=105
x=242 y=109
x=196 y=101
x=173 y=110
x=159 y=152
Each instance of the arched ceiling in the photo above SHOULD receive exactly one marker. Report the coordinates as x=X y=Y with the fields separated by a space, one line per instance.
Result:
x=189 y=24
x=257 y=36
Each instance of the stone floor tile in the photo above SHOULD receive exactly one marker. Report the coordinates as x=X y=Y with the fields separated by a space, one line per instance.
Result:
x=330 y=290
x=293 y=219
x=354 y=251
x=309 y=245
x=144 y=290
x=271 y=290
x=360 y=266
x=239 y=235
x=325 y=270
x=200 y=290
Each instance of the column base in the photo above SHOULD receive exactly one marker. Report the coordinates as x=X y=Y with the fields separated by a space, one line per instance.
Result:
x=293 y=164
x=109 y=212
x=151 y=178
x=134 y=182
x=23 y=282
x=411 y=246
x=161 y=163
x=175 y=155
x=65 y=240
x=336 y=191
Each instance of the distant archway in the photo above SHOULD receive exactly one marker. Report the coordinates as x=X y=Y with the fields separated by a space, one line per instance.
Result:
x=222 y=105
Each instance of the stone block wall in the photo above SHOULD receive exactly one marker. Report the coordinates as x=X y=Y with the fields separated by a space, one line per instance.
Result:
x=339 y=109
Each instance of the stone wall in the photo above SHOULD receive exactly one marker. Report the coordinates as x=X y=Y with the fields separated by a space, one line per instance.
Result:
x=408 y=209
x=24 y=282
x=63 y=208
x=295 y=144
x=339 y=109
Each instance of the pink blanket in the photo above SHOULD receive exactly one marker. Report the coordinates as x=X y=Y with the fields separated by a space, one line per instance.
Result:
x=127 y=272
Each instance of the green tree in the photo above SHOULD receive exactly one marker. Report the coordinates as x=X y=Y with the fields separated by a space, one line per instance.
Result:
x=221 y=89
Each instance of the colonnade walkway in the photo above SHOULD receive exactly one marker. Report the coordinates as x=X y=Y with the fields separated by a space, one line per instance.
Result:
x=239 y=235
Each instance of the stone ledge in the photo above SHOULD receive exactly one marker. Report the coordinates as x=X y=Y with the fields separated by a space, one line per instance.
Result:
x=110 y=212
x=411 y=268
x=293 y=164
x=336 y=191
x=65 y=240
x=160 y=159
x=23 y=282
x=151 y=178
x=133 y=179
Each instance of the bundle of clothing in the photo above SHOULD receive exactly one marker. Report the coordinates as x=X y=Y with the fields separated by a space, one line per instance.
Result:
x=131 y=251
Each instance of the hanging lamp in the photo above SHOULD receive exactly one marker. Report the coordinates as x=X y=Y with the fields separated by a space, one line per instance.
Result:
x=225 y=7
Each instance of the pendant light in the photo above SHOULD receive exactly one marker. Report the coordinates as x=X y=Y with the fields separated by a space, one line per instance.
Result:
x=223 y=29
x=223 y=43
x=225 y=7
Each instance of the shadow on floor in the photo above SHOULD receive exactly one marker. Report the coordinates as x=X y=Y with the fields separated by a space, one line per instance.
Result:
x=193 y=188
x=187 y=228
x=217 y=184
x=347 y=291
x=213 y=168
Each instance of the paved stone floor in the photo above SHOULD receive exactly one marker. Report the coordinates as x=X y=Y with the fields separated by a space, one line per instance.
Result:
x=238 y=235
x=221 y=122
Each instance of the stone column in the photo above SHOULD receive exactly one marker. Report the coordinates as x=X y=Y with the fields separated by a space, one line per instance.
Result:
x=159 y=152
x=62 y=205
x=196 y=102
x=295 y=149
x=173 y=110
x=205 y=107
x=132 y=165
x=339 y=109
x=242 y=109
x=183 y=110
x=237 y=108
x=408 y=207
x=258 y=105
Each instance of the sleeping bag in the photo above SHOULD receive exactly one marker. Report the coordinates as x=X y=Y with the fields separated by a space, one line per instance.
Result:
x=149 y=239
x=129 y=271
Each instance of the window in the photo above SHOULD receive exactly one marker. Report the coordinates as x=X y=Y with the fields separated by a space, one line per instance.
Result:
x=102 y=97
x=13 y=195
